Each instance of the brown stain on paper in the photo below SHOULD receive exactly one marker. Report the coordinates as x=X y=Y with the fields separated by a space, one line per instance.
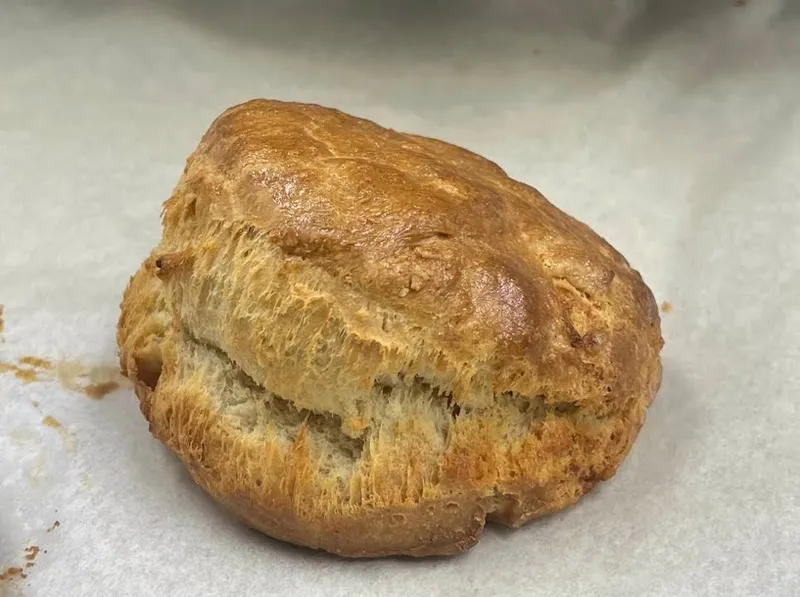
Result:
x=52 y=422
x=53 y=526
x=13 y=572
x=28 y=369
x=70 y=443
x=21 y=373
x=37 y=363
x=38 y=469
x=95 y=382
x=98 y=391
x=21 y=435
x=666 y=307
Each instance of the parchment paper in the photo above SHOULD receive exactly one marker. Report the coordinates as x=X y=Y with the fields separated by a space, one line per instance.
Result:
x=672 y=127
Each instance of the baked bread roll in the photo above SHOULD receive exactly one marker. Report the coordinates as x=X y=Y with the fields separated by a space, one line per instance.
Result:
x=371 y=342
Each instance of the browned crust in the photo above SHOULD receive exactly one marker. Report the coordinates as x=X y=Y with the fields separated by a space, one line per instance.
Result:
x=586 y=329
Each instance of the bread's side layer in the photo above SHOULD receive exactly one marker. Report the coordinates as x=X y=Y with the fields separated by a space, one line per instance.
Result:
x=513 y=461
x=290 y=478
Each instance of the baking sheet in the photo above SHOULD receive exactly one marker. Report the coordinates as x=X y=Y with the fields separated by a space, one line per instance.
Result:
x=671 y=127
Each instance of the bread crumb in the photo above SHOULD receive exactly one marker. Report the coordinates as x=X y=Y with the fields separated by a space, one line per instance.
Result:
x=52 y=422
x=53 y=527
x=666 y=307
x=31 y=552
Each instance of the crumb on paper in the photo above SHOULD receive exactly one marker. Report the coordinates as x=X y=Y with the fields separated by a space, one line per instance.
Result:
x=53 y=527
x=666 y=307
x=31 y=552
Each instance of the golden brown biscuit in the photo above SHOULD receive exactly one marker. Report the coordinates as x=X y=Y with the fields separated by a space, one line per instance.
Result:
x=369 y=342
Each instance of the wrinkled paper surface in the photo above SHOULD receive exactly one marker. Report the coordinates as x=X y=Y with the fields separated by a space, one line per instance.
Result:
x=671 y=127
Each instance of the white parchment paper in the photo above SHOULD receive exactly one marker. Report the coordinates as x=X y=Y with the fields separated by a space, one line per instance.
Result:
x=672 y=127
